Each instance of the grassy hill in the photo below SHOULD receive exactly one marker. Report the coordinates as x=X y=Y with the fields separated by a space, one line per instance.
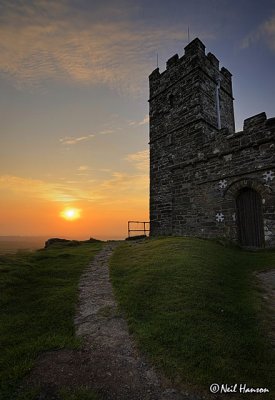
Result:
x=194 y=306
x=38 y=298
x=196 y=310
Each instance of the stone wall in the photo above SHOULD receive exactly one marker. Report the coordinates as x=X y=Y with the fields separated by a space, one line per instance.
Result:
x=196 y=169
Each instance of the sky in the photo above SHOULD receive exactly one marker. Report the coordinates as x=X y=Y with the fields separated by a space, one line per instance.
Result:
x=73 y=101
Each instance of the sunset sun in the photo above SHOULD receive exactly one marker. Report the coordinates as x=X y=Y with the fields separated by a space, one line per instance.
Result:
x=70 y=214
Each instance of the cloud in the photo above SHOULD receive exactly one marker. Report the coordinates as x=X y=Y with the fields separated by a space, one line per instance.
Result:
x=140 y=160
x=124 y=188
x=50 y=191
x=106 y=132
x=75 y=140
x=269 y=32
x=55 y=40
x=105 y=170
x=265 y=32
x=117 y=188
x=145 y=121
x=69 y=140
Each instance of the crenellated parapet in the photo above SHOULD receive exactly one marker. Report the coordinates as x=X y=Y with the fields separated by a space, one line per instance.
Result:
x=177 y=67
x=191 y=88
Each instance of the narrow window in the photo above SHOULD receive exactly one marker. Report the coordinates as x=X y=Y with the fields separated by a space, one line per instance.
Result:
x=169 y=139
x=171 y=100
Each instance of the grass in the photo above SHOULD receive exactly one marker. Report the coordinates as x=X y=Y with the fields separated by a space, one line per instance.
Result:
x=64 y=394
x=38 y=297
x=196 y=310
x=79 y=394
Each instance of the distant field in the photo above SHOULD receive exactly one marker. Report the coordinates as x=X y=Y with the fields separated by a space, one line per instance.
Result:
x=11 y=246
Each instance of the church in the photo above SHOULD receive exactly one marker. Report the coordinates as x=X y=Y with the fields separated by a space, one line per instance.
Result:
x=206 y=180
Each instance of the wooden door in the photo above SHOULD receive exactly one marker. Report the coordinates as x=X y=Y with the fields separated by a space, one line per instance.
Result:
x=249 y=218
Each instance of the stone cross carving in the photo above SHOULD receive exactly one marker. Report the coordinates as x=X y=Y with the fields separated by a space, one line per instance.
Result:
x=219 y=217
x=223 y=184
x=268 y=176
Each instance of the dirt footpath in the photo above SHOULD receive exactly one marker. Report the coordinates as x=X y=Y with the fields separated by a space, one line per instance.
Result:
x=109 y=361
x=120 y=372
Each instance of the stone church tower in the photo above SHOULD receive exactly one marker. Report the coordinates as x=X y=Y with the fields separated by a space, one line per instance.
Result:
x=207 y=180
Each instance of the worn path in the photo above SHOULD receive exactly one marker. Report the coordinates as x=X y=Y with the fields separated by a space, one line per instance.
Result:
x=109 y=361
x=119 y=369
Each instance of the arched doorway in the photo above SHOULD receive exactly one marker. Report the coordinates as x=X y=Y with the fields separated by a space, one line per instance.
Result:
x=249 y=218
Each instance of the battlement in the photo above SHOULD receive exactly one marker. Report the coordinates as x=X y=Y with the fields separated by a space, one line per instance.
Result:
x=197 y=66
x=258 y=127
x=194 y=54
x=257 y=131
x=172 y=61
x=254 y=121
x=196 y=84
x=196 y=47
x=213 y=59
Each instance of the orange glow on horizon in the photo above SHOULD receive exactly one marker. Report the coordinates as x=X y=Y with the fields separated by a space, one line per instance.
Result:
x=32 y=207
x=34 y=217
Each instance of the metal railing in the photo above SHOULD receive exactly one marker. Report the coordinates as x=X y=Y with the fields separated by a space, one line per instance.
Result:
x=145 y=227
